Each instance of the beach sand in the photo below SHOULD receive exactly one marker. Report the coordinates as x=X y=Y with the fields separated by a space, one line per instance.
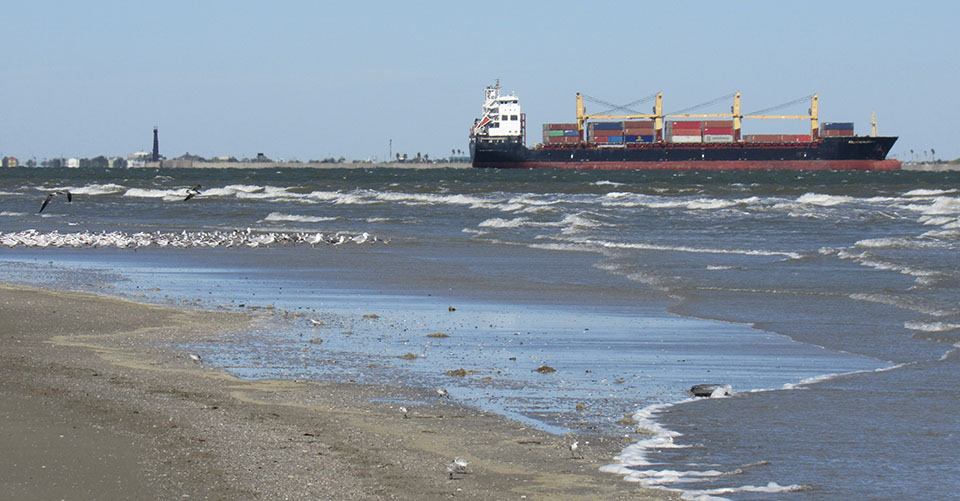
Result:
x=97 y=403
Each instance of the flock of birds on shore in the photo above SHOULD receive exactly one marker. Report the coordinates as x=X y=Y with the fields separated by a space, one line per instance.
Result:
x=183 y=239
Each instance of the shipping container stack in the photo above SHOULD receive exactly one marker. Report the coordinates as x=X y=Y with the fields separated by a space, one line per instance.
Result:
x=777 y=138
x=685 y=131
x=605 y=133
x=835 y=129
x=638 y=131
x=560 y=134
x=718 y=131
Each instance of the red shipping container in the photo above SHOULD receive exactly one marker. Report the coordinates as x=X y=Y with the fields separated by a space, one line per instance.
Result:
x=720 y=131
x=763 y=138
x=718 y=123
x=686 y=132
x=837 y=133
x=686 y=126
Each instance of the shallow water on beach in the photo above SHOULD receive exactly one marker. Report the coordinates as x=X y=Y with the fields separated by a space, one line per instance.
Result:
x=826 y=300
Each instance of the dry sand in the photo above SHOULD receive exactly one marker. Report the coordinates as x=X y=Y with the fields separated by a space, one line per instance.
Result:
x=96 y=403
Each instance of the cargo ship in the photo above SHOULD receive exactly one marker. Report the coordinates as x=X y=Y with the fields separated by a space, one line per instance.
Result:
x=653 y=141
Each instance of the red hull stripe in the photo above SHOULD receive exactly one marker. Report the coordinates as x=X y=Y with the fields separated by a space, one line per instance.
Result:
x=709 y=165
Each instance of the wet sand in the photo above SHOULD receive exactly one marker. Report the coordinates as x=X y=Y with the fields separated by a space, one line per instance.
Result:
x=97 y=403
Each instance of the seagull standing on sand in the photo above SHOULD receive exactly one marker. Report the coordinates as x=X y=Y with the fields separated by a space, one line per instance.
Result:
x=196 y=358
x=192 y=192
x=459 y=465
x=575 y=450
x=443 y=392
x=403 y=410
x=53 y=194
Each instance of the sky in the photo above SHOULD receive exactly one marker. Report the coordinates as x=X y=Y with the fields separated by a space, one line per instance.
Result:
x=301 y=80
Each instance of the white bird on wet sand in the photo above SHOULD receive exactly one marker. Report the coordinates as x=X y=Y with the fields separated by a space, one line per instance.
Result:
x=403 y=410
x=53 y=194
x=575 y=450
x=443 y=392
x=196 y=358
x=459 y=465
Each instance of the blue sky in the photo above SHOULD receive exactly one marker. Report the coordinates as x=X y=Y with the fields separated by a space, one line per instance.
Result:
x=312 y=79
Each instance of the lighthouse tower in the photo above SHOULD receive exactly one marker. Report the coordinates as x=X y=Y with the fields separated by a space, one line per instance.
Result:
x=156 y=146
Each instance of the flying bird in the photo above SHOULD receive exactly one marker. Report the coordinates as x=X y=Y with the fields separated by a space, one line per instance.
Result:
x=192 y=192
x=53 y=194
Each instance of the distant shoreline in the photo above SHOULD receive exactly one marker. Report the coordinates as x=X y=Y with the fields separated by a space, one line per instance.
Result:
x=189 y=164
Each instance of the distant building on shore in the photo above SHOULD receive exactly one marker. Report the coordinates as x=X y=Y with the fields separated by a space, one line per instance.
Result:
x=72 y=163
x=11 y=162
x=138 y=159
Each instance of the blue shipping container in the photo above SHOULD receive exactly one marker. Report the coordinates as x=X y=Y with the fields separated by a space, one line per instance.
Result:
x=571 y=133
x=838 y=126
x=607 y=125
x=615 y=139
x=633 y=138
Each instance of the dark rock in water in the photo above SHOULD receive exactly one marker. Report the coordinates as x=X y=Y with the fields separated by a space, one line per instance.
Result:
x=710 y=390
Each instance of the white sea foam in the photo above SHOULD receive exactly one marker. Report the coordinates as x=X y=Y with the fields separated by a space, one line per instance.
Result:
x=937 y=220
x=823 y=200
x=940 y=206
x=94 y=189
x=633 y=461
x=901 y=302
x=871 y=261
x=12 y=213
x=931 y=326
x=152 y=193
x=920 y=192
x=278 y=216
x=898 y=243
x=497 y=222
x=712 y=494
x=697 y=250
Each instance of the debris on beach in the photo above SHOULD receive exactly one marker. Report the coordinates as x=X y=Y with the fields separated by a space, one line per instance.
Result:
x=451 y=308
x=712 y=390
x=438 y=335
x=316 y=340
x=461 y=372
x=371 y=316
x=545 y=369
x=408 y=356
x=581 y=407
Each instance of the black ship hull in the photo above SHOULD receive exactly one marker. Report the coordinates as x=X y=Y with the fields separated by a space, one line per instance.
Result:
x=830 y=153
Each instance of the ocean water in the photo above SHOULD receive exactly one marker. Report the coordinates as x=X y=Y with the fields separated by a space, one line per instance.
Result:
x=828 y=302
